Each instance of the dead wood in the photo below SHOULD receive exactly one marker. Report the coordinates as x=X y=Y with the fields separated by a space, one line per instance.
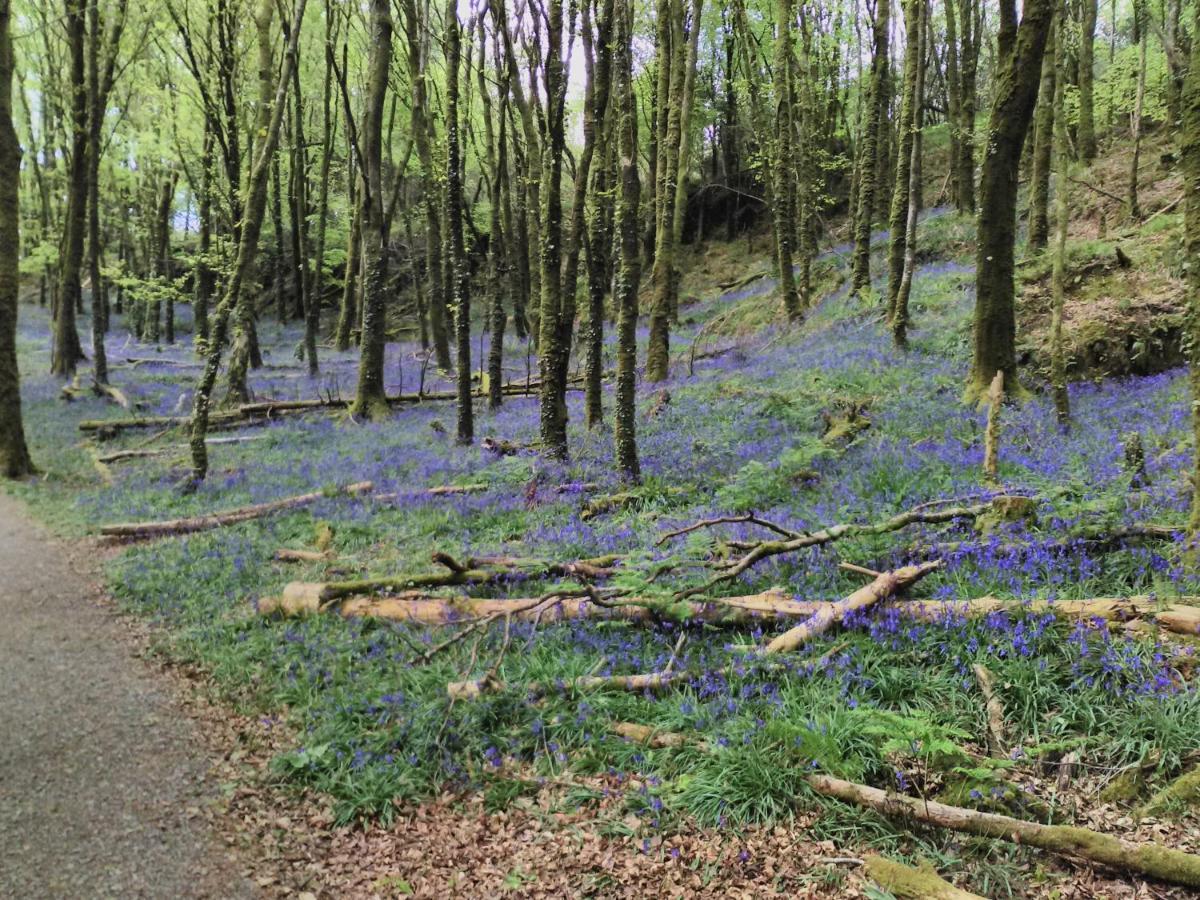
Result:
x=991 y=435
x=995 y=710
x=1148 y=859
x=908 y=883
x=653 y=737
x=764 y=549
x=885 y=585
x=286 y=554
x=229 y=517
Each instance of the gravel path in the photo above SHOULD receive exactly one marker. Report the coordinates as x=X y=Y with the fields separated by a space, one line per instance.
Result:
x=102 y=779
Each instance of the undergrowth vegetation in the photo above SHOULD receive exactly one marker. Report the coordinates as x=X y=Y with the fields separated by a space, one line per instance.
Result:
x=821 y=424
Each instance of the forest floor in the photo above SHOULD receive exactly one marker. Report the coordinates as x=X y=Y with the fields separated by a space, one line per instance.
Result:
x=355 y=774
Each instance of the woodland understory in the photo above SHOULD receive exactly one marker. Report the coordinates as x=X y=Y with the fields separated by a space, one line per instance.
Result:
x=805 y=505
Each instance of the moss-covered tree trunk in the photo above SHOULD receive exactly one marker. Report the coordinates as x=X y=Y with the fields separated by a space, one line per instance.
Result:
x=907 y=126
x=14 y=453
x=270 y=118
x=460 y=284
x=873 y=133
x=1015 y=97
x=1190 y=153
x=628 y=264
x=370 y=399
x=414 y=27
x=970 y=23
x=1087 y=64
x=553 y=405
x=1043 y=142
x=1139 y=19
x=245 y=338
x=784 y=168
x=919 y=25
x=953 y=100
x=496 y=159
x=672 y=58
x=1062 y=213
x=66 y=353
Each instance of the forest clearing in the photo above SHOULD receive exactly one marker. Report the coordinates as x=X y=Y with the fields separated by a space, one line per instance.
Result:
x=806 y=505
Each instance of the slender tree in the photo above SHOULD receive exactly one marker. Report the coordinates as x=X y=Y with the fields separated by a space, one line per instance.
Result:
x=907 y=128
x=628 y=265
x=67 y=353
x=899 y=309
x=784 y=174
x=270 y=118
x=1062 y=213
x=460 y=284
x=14 y=454
x=1020 y=49
x=1042 y=136
x=371 y=400
x=873 y=134
x=1087 y=65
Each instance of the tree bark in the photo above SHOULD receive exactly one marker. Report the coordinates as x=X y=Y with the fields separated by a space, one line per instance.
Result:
x=15 y=461
x=628 y=263
x=1043 y=140
x=1016 y=94
x=1087 y=64
x=873 y=135
x=460 y=283
x=66 y=353
x=370 y=399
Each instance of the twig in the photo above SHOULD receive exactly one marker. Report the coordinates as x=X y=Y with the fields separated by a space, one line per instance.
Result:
x=748 y=518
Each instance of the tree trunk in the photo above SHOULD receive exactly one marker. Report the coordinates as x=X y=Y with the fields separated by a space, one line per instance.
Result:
x=899 y=312
x=971 y=24
x=66 y=354
x=1135 y=209
x=370 y=399
x=1016 y=95
x=1087 y=116
x=438 y=313
x=270 y=117
x=908 y=125
x=1062 y=213
x=553 y=408
x=873 y=134
x=14 y=454
x=1043 y=140
x=460 y=281
x=628 y=265
x=784 y=174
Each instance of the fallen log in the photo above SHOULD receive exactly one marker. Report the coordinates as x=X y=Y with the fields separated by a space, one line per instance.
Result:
x=908 y=883
x=286 y=554
x=135 y=453
x=884 y=586
x=229 y=517
x=1148 y=859
x=471 y=571
x=305 y=598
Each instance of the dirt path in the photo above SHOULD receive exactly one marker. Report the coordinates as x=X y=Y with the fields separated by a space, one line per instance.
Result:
x=102 y=779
